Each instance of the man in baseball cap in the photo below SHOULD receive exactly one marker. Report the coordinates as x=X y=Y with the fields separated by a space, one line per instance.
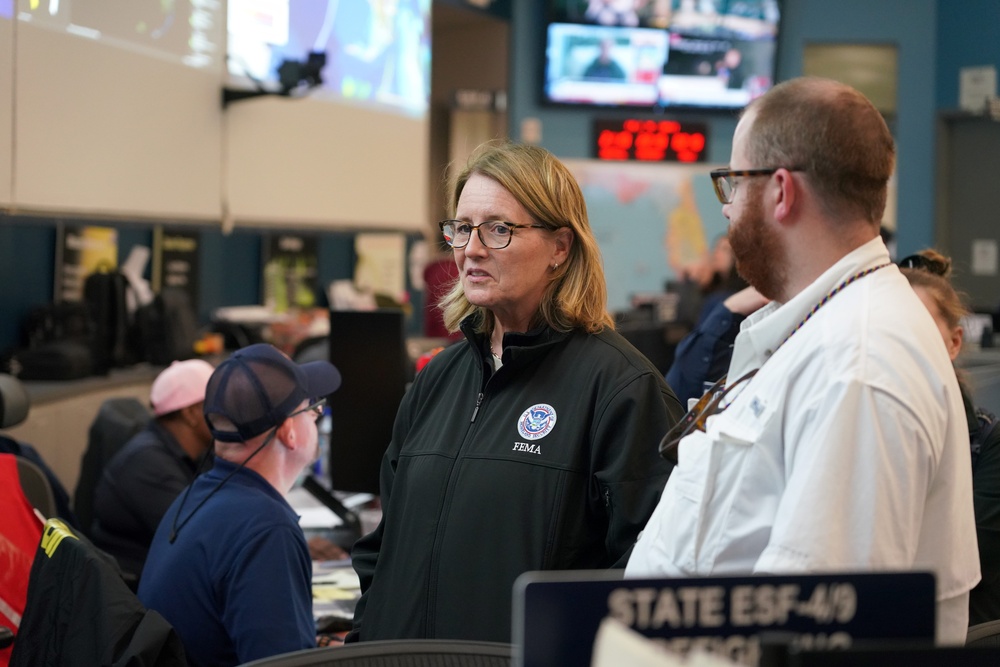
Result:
x=153 y=467
x=229 y=567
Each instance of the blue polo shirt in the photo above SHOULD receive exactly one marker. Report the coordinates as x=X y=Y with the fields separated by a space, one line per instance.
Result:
x=235 y=584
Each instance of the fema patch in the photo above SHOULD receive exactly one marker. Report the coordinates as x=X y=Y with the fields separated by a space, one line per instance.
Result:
x=537 y=421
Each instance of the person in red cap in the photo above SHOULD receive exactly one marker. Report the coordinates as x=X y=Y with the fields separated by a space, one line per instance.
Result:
x=143 y=478
x=229 y=567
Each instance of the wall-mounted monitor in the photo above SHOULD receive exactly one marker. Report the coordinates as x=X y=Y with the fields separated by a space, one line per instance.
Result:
x=377 y=53
x=701 y=54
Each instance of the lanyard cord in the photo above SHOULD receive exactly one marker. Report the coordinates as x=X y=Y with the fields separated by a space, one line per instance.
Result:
x=826 y=299
x=175 y=527
x=822 y=302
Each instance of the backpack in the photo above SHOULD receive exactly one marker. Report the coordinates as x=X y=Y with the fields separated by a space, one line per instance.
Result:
x=57 y=342
x=165 y=329
x=104 y=293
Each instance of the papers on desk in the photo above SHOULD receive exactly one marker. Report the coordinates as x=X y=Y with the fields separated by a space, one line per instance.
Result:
x=335 y=590
x=317 y=517
x=337 y=573
x=314 y=514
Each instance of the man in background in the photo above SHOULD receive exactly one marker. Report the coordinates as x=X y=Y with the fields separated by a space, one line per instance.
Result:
x=604 y=65
x=839 y=442
x=142 y=479
x=228 y=567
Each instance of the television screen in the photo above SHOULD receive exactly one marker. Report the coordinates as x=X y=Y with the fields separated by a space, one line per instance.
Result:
x=589 y=64
x=711 y=54
x=377 y=53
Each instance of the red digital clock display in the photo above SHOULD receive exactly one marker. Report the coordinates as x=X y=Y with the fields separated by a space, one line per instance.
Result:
x=649 y=140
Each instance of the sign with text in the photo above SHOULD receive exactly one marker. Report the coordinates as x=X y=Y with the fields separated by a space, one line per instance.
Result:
x=176 y=261
x=650 y=140
x=557 y=614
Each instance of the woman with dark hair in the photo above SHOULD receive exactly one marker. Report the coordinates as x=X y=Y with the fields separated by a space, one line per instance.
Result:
x=929 y=273
x=529 y=445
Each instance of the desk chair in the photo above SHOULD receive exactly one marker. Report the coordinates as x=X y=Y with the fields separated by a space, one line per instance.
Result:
x=984 y=634
x=117 y=420
x=37 y=488
x=14 y=407
x=14 y=401
x=397 y=653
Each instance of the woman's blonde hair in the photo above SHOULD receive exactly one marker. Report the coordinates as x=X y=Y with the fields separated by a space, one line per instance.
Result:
x=576 y=295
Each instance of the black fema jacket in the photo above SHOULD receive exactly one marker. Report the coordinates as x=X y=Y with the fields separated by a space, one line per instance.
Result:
x=549 y=463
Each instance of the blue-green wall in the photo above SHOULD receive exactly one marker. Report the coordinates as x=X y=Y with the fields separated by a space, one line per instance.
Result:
x=230 y=265
x=969 y=36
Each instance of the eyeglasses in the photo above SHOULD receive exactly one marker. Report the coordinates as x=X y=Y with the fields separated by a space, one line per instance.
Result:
x=918 y=261
x=495 y=234
x=713 y=402
x=725 y=186
x=316 y=408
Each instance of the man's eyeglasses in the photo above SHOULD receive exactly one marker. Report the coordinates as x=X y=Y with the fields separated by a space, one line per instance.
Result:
x=725 y=186
x=316 y=408
x=495 y=234
x=918 y=261
x=713 y=402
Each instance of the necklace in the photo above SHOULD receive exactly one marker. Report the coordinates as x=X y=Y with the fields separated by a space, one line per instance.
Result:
x=493 y=349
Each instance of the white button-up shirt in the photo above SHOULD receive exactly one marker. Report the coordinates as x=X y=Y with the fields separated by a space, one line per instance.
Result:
x=847 y=451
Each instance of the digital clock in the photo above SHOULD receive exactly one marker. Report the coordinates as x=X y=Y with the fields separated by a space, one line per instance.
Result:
x=649 y=140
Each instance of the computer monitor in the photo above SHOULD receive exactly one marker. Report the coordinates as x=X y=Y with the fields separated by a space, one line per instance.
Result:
x=369 y=350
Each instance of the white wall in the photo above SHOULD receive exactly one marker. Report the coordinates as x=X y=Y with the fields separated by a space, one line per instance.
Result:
x=317 y=163
x=99 y=129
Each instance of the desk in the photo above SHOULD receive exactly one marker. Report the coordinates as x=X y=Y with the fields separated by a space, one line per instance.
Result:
x=336 y=589
x=335 y=585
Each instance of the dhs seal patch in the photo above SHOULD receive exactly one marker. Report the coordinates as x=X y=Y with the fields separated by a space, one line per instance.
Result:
x=537 y=421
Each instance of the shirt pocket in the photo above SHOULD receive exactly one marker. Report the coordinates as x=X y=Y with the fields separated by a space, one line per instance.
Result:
x=738 y=511
x=689 y=485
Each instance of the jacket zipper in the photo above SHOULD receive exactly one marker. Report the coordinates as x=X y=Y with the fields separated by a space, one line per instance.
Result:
x=479 y=401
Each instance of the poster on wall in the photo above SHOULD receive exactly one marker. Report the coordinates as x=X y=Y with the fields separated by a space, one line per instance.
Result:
x=381 y=266
x=81 y=251
x=651 y=221
x=290 y=272
x=176 y=261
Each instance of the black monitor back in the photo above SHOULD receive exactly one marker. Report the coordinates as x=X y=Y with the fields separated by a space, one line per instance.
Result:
x=369 y=350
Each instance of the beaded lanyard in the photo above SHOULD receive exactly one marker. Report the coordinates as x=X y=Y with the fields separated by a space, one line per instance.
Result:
x=822 y=302
x=711 y=403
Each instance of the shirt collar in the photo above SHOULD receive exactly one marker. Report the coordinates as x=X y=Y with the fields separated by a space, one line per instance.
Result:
x=762 y=332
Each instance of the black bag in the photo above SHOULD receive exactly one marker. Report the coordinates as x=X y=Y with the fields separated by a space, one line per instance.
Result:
x=56 y=344
x=67 y=320
x=58 y=360
x=166 y=329
x=104 y=294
